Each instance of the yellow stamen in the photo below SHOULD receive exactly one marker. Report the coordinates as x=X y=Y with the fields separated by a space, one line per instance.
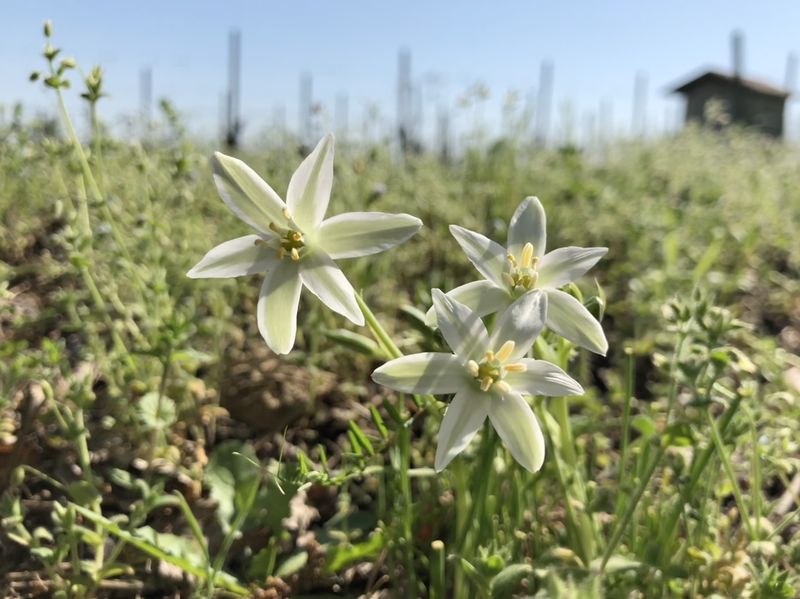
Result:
x=505 y=351
x=473 y=368
x=511 y=260
x=275 y=228
x=286 y=214
x=490 y=356
x=281 y=253
x=295 y=236
x=534 y=278
x=502 y=386
x=515 y=367
x=486 y=383
x=509 y=280
x=295 y=254
x=527 y=255
x=260 y=241
x=535 y=262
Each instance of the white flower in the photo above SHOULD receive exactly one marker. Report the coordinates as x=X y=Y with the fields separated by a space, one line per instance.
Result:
x=522 y=266
x=292 y=243
x=488 y=375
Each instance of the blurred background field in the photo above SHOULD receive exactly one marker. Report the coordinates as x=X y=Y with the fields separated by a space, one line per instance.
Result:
x=174 y=389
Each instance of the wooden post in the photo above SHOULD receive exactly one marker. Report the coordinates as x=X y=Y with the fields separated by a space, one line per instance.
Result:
x=544 y=103
x=233 y=116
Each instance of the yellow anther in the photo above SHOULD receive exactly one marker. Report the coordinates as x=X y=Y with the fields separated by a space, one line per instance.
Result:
x=535 y=262
x=473 y=368
x=286 y=214
x=295 y=236
x=281 y=253
x=527 y=255
x=509 y=280
x=486 y=383
x=295 y=254
x=515 y=367
x=490 y=356
x=502 y=386
x=275 y=228
x=260 y=241
x=534 y=278
x=505 y=351
x=511 y=260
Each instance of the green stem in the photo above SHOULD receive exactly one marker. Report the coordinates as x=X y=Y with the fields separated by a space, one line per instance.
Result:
x=699 y=464
x=437 y=588
x=94 y=189
x=404 y=450
x=726 y=464
x=626 y=420
x=381 y=336
x=582 y=540
x=619 y=530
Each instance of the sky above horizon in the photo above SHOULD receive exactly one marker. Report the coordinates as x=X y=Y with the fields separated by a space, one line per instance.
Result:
x=351 y=48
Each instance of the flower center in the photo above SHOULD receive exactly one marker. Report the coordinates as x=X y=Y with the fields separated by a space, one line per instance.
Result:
x=290 y=242
x=489 y=372
x=522 y=275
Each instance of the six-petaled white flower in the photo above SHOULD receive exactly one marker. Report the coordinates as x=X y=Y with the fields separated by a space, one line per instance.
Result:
x=292 y=243
x=523 y=266
x=489 y=376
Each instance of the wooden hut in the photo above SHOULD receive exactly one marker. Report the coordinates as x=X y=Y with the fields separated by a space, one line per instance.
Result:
x=716 y=99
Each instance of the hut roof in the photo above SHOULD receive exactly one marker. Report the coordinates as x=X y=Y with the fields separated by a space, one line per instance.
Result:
x=715 y=76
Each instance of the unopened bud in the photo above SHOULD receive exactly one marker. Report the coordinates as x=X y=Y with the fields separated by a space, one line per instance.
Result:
x=35 y=76
x=48 y=28
x=67 y=63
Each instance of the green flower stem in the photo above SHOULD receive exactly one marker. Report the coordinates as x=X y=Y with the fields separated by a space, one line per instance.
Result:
x=437 y=588
x=381 y=336
x=699 y=464
x=622 y=525
x=581 y=536
x=404 y=464
x=94 y=189
x=626 y=422
x=726 y=464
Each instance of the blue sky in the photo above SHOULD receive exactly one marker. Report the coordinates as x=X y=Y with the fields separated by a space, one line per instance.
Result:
x=351 y=47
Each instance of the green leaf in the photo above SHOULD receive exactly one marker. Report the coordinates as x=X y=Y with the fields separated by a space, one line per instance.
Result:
x=230 y=476
x=155 y=416
x=355 y=342
x=293 y=563
x=507 y=581
x=346 y=554
x=361 y=437
x=645 y=425
x=83 y=492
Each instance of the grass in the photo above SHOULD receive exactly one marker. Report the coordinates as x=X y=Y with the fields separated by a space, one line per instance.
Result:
x=143 y=421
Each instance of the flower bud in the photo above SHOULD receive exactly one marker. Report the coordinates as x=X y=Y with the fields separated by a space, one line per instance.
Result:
x=48 y=28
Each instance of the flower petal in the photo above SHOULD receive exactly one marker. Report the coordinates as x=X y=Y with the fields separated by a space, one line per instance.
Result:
x=482 y=297
x=521 y=323
x=246 y=194
x=327 y=281
x=234 y=258
x=486 y=255
x=310 y=186
x=528 y=225
x=428 y=372
x=463 y=418
x=568 y=264
x=542 y=378
x=463 y=330
x=356 y=234
x=567 y=317
x=515 y=422
x=277 y=307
